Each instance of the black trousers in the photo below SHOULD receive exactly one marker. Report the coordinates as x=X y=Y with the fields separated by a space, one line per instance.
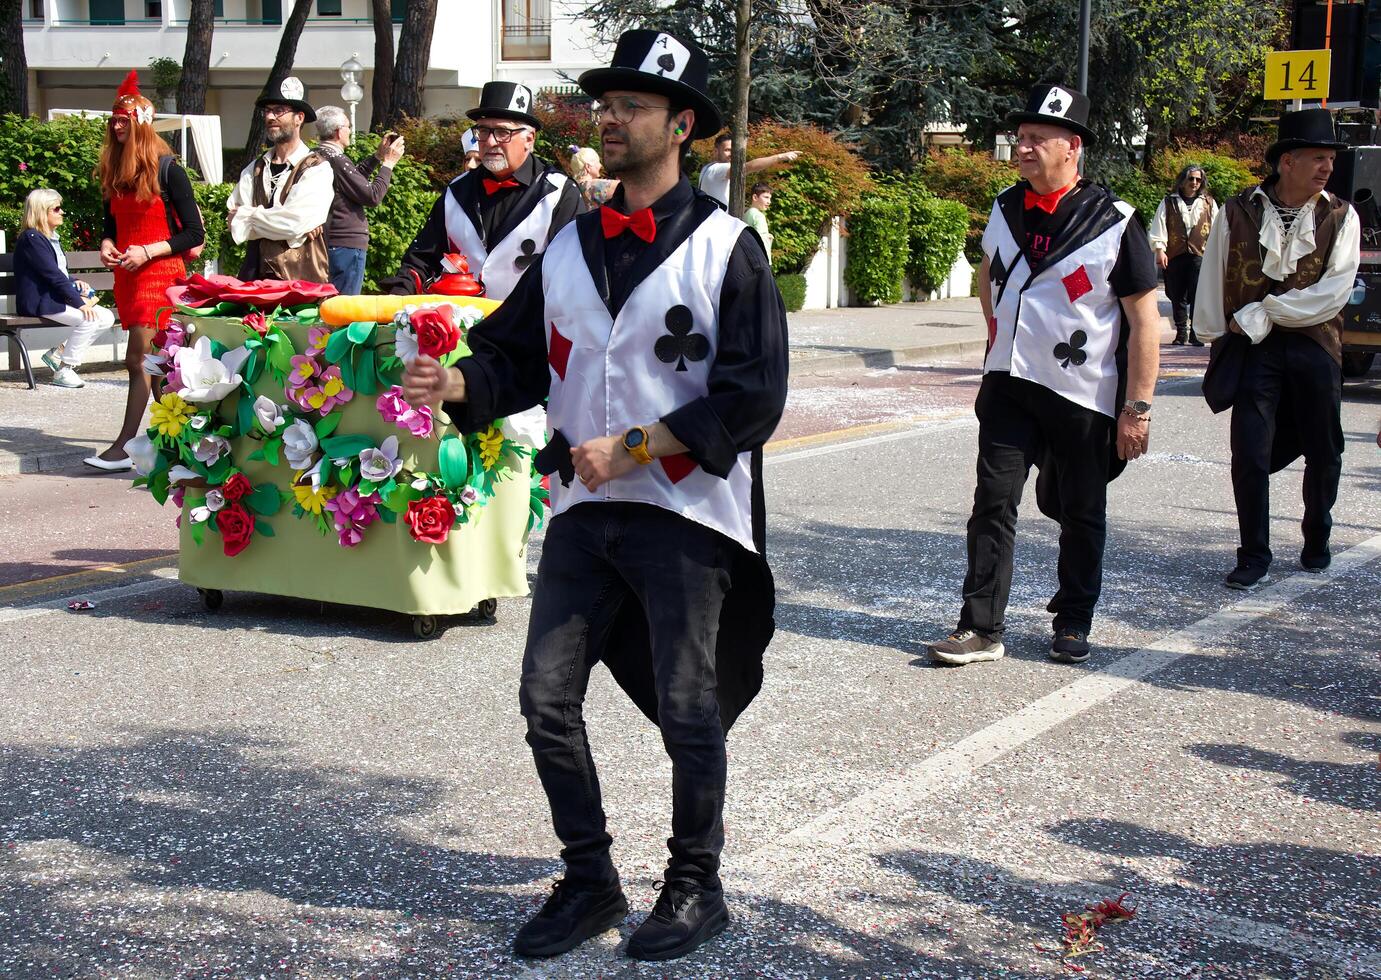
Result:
x=1018 y=421
x=1181 y=282
x=596 y=557
x=1286 y=377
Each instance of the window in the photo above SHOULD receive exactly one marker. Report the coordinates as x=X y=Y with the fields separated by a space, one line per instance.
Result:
x=328 y=8
x=107 y=12
x=36 y=9
x=218 y=8
x=526 y=30
x=400 y=10
x=153 y=9
x=271 y=12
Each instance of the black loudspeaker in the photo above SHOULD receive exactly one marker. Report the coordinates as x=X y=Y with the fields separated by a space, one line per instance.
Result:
x=1348 y=42
x=1356 y=169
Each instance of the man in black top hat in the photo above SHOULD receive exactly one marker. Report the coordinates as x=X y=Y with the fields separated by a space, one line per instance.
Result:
x=502 y=214
x=1279 y=267
x=1068 y=286
x=654 y=328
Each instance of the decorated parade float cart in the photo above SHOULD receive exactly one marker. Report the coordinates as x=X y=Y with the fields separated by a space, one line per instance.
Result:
x=280 y=433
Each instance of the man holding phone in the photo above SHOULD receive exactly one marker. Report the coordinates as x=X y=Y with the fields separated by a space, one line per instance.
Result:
x=357 y=185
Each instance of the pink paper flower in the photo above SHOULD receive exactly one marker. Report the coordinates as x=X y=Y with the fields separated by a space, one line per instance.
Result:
x=352 y=513
x=418 y=421
x=304 y=370
x=176 y=496
x=316 y=340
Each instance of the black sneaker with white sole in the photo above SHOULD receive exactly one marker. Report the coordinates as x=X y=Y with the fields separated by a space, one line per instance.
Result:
x=966 y=646
x=1246 y=578
x=1070 y=646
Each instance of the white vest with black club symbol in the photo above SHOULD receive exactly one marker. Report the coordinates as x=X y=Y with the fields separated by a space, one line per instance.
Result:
x=609 y=374
x=501 y=269
x=1062 y=328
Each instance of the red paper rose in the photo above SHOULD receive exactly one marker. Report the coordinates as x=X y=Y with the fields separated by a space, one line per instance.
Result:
x=257 y=321
x=236 y=526
x=436 y=334
x=235 y=488
x=430 y=519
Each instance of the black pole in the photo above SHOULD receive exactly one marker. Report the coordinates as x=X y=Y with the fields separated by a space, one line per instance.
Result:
x=1085 y=15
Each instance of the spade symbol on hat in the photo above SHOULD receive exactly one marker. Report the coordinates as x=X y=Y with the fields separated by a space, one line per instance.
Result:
x=666 y=62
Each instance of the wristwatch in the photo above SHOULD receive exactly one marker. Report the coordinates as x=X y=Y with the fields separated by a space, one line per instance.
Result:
x=635 y=441
x=1137 y=408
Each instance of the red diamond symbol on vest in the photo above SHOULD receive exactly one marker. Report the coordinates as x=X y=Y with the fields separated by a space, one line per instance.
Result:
x=1077 y=284
x=558 y=352
x=678 y=467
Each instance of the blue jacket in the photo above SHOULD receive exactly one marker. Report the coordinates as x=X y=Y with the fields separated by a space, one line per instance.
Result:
x=40 y=286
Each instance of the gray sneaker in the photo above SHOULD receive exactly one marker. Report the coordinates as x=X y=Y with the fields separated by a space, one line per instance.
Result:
x=65 y=377
x=965 y=646
x=52 y=358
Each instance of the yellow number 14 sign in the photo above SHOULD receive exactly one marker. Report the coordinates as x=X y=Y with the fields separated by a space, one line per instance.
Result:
x=1297 y=75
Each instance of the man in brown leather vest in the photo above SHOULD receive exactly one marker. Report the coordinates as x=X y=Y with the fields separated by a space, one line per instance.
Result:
x=278 y=209
x=1178 y=234
x=1278 y=267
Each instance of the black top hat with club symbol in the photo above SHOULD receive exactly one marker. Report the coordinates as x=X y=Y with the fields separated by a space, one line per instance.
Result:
x=506 y=100
x=1055 y=105
x=654 y=61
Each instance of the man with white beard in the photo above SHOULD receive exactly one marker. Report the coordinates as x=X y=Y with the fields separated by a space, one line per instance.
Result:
x=502 y=214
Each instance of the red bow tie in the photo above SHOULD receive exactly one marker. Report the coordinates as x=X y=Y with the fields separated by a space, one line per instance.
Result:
x=490 y=186
x=640 y=223
x=1046 y=202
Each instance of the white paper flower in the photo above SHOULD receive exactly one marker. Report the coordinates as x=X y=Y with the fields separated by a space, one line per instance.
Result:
x=179 y=474
x=268 y=414
x=299 y=443
x=469 y=495
x=405 y=344
x=208 y=449
x=206 y=378
x=468 y=315
x=379 y=465
x=198 y=422
x=142 y=453
x=215 y=500
x=200 y=515
x=421 y=483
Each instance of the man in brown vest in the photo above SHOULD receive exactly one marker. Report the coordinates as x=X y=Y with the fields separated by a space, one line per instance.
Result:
x=1278 y=267
x=278 y=209
x=1178 y=234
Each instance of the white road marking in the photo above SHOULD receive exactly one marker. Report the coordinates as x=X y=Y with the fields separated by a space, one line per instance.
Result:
x=922 y=429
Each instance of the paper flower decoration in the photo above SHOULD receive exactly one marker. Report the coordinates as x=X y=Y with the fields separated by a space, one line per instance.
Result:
x=268 y=414
x=208 y=449
x=352 y=513
x=169 y=414
x=380 y=465
x=418 y=421
x=142 y=453
x=299 y=444
x=206 y=378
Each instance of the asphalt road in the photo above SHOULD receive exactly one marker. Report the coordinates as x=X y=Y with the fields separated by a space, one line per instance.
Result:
x=284 y=789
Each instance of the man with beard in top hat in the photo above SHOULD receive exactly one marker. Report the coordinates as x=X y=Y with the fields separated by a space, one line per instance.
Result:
x=1278 y=269
x=500 y=215
x=1068 y=286
x=655 y=329
x=1178 y=233
x=283 y=198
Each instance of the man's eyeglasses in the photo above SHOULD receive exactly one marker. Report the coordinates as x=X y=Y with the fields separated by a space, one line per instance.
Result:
x=499 y=134
x=622 y=109
x=1193 y=180
x=278 y=110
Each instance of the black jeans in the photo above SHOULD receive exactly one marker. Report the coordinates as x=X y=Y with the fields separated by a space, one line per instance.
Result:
x=1017 y=421
x=1181 y=282
x=596 y=557
x=1286 y=373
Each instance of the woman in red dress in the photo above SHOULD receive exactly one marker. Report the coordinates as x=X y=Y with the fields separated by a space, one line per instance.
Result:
x=141 y=245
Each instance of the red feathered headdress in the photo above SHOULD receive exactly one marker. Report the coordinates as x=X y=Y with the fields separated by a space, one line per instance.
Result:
x=129 y=102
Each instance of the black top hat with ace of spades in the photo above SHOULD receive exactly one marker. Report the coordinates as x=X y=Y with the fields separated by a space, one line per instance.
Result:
x=1055 y=105
x=506 y=100
x=661 y=63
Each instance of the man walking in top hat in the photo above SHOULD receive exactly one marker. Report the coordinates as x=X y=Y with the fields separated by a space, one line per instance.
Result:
x=281 y=203
x=655 y=329
x=1279 y=266
x=1068 y=286
x=1178 y=233
x=502 y=214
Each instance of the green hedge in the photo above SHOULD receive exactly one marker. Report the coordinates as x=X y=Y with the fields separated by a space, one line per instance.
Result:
x=394 y=223
x=792 y=286
x=879 y=246
x=62 y=155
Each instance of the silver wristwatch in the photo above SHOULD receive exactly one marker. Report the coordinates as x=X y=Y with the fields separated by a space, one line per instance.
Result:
x=1137 y=407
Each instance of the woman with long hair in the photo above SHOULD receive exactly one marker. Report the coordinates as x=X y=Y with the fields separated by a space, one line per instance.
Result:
x=141 y=242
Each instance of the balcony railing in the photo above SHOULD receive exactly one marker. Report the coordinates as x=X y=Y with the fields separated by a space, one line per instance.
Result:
x=528 y=41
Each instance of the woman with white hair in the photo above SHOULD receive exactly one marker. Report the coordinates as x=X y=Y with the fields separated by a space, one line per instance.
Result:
x=42 y=287
x=585 y=170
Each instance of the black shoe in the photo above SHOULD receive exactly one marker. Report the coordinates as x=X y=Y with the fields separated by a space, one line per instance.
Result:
x=572 y=914
x=685 y=916
x=1246 y=578
x=1070 y=646
x=1194 y=340
x=1315 y=559
x=1179 y=338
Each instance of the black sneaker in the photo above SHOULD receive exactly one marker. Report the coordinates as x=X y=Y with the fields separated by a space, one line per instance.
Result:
x=1246 y=578
x=1315 y=559
x=685 y=916
x=572 y=914
x=1179 y=338
x=965 y=646
x=1070 y=646
x=1194 y=340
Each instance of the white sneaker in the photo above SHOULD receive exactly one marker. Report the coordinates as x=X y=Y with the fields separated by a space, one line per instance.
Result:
x=52 y=358
x=65 y=377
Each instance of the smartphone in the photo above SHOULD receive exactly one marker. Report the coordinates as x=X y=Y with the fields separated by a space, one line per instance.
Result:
x=390 y=136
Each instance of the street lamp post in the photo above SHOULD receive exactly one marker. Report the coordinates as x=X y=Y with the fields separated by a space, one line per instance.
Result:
x=351 y=92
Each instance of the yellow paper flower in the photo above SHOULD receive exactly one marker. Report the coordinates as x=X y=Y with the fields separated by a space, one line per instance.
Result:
x=169 y=414
x=491 y=445
x=333 y=387
x=311 y=498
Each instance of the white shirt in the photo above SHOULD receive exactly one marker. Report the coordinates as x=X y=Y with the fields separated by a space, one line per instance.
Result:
x=1281 y=254
x=307 y=206
x=1190 y=214
x=714 y=181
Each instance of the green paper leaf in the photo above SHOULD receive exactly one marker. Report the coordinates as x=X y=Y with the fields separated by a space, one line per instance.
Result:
x=397 y=500
x=253 y=367
x=359 y=331
x=257 y=455
x=347 y=371
x=264 y=499
x=254 y=343
x=198 y=532
x=281 y=353
x=339 y=447
x=367 y=487
x=327 y=425
x=365 y=373
x=338 y=346
x=454 y=460
x=264 y=528
x=158 y=486
x=328 y=471
x=388 y=516
x=270 y=450
x=218 y=473
x=244 y=415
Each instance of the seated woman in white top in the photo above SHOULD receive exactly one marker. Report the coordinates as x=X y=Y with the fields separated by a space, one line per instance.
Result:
x=42 y=287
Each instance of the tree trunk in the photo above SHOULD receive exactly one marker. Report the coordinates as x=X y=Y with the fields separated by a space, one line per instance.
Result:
x=196 y=57
x=742 y=75
x=382 y=90
x=282 y=67
x=14 y=73
x=414 y=51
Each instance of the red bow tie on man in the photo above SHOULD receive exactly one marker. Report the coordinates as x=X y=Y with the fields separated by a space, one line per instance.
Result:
x=640 y=223
x=1046 y=202
x=490 y=186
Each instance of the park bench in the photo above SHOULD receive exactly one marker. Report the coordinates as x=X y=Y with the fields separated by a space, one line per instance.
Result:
x=80 y=265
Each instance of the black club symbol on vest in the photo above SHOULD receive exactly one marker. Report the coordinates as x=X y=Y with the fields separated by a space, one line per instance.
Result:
x=1072 y=352
x=528 y=248
x=680 y=343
